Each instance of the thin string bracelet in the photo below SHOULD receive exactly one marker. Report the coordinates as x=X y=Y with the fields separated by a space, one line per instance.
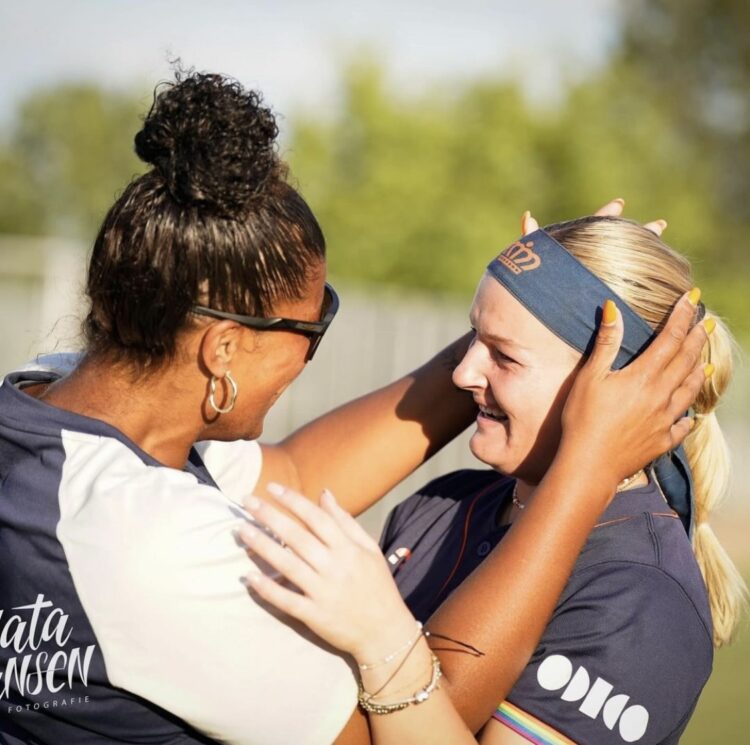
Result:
x=392 y=656
x=477 y=652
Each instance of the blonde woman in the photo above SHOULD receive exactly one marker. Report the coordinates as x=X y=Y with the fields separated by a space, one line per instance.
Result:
x=629 y=645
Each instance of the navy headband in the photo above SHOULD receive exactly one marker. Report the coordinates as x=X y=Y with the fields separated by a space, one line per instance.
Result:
x=567 y=298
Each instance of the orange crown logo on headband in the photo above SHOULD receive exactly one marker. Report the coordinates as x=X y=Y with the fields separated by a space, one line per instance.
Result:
x=520 y=257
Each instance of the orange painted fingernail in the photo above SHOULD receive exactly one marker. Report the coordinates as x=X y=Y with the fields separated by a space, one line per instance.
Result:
x=694 y=295
x=708 y=369
x=709 y=324
x=609 y=313
x=691 y=424
x=525 y=216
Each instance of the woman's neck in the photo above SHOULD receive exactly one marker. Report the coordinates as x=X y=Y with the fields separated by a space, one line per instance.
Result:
x=523 y=492
x=151 y=413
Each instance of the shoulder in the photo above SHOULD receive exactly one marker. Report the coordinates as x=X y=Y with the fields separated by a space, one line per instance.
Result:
x=234 y=466
x=644 y=552
x=440 y=497
x=629 y=595
x=155 y=562
x=626 y=652
x=136 y=513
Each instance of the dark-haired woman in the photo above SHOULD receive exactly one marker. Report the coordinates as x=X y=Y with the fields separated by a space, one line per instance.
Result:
x=123 y=617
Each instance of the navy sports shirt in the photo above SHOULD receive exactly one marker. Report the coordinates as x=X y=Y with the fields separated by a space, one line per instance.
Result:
x=629 y=646
x=122 y=614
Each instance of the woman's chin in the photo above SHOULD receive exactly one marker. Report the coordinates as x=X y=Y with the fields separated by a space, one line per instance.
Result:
x=491 y=454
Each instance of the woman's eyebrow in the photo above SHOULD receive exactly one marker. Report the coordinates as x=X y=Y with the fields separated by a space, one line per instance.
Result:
x=502 y=340
x=496 y=338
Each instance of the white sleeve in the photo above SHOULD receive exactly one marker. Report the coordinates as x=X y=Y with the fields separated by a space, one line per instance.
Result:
x=156 y=566
x=235 y=466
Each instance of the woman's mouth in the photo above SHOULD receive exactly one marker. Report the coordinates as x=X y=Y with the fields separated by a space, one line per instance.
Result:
x=495 y=415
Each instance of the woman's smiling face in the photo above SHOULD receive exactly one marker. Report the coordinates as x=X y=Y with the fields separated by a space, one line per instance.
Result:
x=520 y=374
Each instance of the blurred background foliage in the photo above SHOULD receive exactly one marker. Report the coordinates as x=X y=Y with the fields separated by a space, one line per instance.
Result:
x=420 y=191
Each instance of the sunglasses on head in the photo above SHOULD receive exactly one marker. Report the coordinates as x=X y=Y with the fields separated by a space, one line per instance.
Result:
x=314 y=330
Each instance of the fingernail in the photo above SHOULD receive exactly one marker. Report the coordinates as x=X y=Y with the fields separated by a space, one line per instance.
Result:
x=709 y=324
x=694 y=295
x=276 y=489
x=252 y=503
x=329 y=495
x=251 y=579
x=525 y=216
x=620 y=200
x=609 y=313
x=663 y=224
x=248 y=532
x=708 y=369
x=691 y=425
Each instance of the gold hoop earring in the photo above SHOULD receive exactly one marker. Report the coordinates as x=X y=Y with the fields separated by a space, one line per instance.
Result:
x=212 y=398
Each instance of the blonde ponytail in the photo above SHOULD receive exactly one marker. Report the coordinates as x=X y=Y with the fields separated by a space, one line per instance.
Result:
x=708 y=455
x=651 y=277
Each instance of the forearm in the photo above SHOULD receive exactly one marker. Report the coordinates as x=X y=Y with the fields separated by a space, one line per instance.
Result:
x=362 y=449
x=514 y=592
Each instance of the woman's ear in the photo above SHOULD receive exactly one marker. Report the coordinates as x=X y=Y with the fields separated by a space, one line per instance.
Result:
x=219 y=346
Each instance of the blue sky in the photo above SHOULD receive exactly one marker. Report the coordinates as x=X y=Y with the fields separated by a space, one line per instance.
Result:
x=294 y=50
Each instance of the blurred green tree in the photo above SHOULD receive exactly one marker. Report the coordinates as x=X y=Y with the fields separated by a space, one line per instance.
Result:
x=692 y=59
x=421 y=191
x=415 y=192
x=21 y=209
x=424 y=191
x=71 y=152
x=694 y=55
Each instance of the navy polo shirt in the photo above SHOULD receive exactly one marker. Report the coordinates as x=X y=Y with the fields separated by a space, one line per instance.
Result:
x=629 y=646
x=122 y=614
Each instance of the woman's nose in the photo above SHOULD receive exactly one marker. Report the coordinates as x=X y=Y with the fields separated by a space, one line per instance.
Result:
x=469 y=374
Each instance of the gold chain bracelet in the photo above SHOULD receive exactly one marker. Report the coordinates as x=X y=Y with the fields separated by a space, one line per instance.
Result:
x=368 y=704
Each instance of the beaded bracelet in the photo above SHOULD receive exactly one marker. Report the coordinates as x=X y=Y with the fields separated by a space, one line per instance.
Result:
x=419 y=697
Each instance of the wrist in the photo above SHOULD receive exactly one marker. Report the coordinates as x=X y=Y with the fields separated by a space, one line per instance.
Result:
x=387 y=642
x=575 y=457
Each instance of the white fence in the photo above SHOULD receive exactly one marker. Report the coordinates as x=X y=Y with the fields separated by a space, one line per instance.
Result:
x=378 y=336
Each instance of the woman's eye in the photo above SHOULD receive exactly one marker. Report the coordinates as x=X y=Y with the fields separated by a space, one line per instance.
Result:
x=494 y=351
x=502 y=357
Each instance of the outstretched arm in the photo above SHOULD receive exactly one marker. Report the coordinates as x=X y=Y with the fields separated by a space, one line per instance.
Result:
x=613 y=423
x=365 y=447
x=362 y=449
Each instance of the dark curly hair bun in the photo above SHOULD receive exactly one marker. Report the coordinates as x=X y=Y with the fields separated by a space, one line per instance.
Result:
x=211 y=141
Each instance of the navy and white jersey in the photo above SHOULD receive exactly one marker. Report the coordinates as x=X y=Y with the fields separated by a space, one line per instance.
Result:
x=628 y=648
x=123 y=618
